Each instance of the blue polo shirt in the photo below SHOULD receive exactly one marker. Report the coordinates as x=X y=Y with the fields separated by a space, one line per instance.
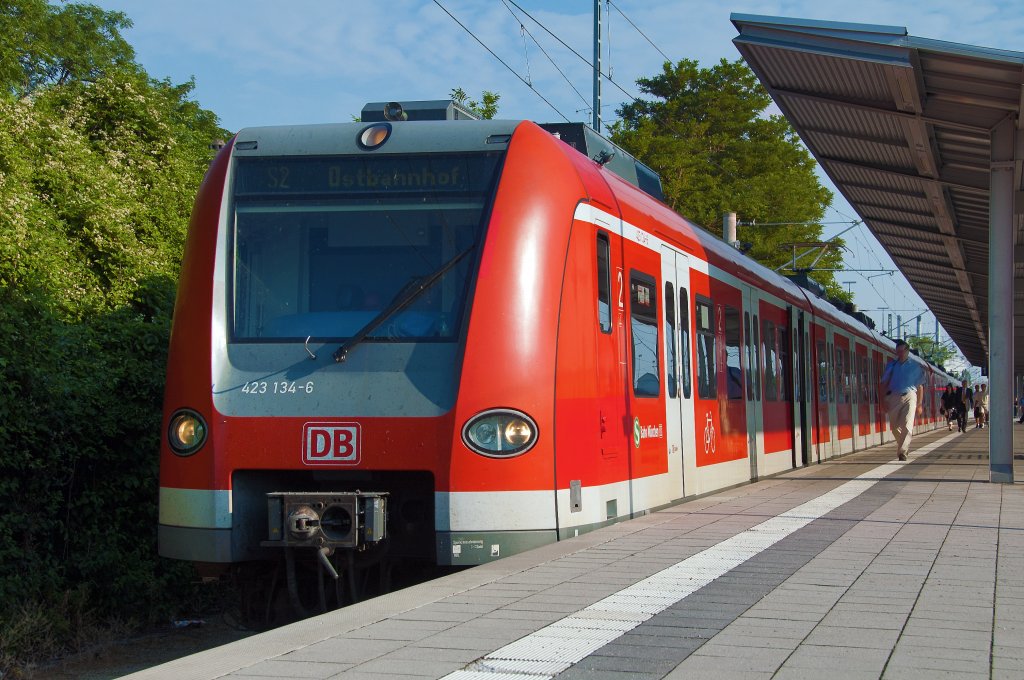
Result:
x=903 y=376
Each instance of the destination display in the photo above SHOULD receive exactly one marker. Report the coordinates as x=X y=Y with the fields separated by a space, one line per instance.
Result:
x=361 y=174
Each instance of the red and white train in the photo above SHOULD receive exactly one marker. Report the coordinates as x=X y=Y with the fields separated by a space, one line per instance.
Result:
x=457 y=340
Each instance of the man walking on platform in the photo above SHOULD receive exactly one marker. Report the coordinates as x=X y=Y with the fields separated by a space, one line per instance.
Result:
x=965 y=399
x=903 y=382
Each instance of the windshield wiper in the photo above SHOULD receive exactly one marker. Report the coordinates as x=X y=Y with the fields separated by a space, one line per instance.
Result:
x=403 y=299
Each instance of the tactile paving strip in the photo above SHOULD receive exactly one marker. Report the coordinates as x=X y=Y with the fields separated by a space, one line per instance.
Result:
x=567 y=641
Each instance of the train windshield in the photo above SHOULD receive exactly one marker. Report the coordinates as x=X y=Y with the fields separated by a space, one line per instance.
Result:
x=323 y=245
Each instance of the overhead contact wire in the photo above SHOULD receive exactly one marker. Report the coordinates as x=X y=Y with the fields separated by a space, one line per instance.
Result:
x=536 y=42
x=502 y=61
x=637 y=28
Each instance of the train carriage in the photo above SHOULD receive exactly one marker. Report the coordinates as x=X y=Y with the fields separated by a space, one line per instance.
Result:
x=455 y=340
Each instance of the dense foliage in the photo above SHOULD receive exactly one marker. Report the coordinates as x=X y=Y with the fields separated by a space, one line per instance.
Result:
x=707 y=132
x=486 y=108
x=99 y=165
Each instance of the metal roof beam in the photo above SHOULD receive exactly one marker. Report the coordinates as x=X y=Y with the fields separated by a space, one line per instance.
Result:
x=860 y=106
x=889 y=208
x=854 y=137
x=884 y=190
x=902 y=174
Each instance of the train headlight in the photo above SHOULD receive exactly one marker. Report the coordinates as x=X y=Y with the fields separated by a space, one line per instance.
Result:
x=186 y=433
x=373 y=136
x=501 y=433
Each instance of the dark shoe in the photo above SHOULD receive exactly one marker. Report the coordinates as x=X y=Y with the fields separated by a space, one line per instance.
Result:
x=902 y=456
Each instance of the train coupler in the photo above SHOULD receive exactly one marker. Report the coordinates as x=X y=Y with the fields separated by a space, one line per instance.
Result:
x=350 y=520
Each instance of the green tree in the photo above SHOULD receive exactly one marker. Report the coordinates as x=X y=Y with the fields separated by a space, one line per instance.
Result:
x=42 y=44
x=486 y=108
x=707 y=132
x=927 y=348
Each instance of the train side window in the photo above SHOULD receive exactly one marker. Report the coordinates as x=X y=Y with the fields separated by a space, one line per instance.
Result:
x=783 y=377
x=733 y=362
x=830 y=358
x=670 y=340
x=757 y=359
x=684 y=339
x=604 y=283
x=707 y=374
x=840 y=375
x=771 y=390
x=862 y=378
x=643 y=317
x=795 y=357
x=819 y=355
x=750 y=356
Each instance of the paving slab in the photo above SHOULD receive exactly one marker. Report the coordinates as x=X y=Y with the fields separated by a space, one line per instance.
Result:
x=913 y=570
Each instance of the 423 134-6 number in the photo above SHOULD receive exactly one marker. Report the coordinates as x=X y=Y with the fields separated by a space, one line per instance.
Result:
x=277 y=387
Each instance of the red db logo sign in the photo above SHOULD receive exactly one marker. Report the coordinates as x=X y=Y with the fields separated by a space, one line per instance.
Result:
x=330 y=443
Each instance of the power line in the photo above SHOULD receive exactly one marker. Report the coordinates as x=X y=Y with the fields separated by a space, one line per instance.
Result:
x=544 y=52
x=502 y=61
x=667 y=58
x=571 y=49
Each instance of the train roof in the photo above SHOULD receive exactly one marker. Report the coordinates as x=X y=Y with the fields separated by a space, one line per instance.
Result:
x=414 y=136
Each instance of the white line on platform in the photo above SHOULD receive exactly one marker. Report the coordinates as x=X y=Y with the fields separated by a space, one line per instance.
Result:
x=556 y=647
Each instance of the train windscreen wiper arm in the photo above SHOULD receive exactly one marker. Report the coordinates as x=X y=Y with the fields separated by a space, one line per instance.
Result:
x=403 y=299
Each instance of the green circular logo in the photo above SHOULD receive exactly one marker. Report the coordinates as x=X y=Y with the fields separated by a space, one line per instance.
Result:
x=636 y=432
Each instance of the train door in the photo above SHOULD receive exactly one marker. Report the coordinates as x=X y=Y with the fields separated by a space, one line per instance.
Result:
x=777 y=396
x=755 y=418
x=801 y=401
x=876 y=391
x=650 y=480
x=755 y=363
x=675 y=273
x=731 y=390
x=836 y=447
x=611 y=374
x=863 y=397
x=844 y=409
x=823 y=394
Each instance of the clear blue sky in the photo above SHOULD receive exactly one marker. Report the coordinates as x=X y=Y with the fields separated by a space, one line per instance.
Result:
x=266 y=62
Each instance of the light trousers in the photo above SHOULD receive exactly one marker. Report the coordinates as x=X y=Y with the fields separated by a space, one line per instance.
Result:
x=902 y=408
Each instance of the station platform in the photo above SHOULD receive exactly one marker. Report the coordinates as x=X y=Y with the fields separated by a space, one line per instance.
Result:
x=862 y=567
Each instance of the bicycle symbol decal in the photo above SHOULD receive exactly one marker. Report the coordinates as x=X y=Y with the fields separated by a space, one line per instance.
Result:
x=709 y=435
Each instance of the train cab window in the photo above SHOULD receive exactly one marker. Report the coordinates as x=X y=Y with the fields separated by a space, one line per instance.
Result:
x=749 y=355
x=757 y=359
x=316 y=251
x=783 y=376
x=604 y=283
x=733 y=361
x=684 y=339
x=670 y=340
x=707 y=373
x=643 y=312
x=771 y=362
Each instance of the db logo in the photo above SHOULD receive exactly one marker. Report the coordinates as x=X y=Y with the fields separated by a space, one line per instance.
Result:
x=330 y=443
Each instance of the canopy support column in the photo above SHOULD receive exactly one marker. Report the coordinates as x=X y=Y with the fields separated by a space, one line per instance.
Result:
x=1000 y=301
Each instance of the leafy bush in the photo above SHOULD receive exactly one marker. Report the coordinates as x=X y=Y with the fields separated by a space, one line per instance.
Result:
x=97 y=178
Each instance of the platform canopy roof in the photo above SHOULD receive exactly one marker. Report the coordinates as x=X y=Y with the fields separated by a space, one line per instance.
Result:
x=903 y=127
